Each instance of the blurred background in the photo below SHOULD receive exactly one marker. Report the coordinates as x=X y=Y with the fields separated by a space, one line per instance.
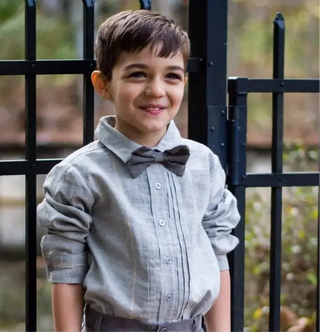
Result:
x=59 y=132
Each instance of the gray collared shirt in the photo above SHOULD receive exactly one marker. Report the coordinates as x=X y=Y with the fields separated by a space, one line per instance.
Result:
x=149 y=248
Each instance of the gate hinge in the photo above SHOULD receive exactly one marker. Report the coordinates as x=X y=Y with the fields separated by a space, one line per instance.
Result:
x=236 y=156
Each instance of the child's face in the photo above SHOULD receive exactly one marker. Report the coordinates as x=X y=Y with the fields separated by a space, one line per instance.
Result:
x=146 y=92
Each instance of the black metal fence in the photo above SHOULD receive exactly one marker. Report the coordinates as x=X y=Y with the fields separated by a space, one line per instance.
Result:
x=211 y=122
x=239 y=180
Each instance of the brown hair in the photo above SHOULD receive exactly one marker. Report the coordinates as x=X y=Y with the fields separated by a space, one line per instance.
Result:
x=133 y=30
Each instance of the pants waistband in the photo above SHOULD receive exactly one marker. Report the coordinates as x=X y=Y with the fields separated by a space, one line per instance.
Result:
x=96 y=321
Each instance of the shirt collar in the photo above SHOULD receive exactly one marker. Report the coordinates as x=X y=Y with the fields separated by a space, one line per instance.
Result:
x=122 y=146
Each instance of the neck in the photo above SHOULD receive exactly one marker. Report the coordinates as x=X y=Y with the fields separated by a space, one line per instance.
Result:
x=150 y=142
x=149 y=139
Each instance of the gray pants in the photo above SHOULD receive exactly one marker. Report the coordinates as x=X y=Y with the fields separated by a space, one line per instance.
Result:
x=95 y=321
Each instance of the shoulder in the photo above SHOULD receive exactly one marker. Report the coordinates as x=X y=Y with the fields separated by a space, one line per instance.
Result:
x=203 y=161
x=79 y=163
x=85 y=156
x=200 y=152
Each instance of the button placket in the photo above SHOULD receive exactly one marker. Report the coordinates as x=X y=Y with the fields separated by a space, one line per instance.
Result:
x=158 y=187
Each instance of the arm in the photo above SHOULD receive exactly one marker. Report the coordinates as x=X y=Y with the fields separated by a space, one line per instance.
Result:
x=67 y=307
x=218 y=317
x=220 y=219
x=66 y=214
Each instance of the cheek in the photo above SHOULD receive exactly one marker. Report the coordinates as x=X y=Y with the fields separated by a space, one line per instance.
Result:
x=176 y=95
x=128 y=93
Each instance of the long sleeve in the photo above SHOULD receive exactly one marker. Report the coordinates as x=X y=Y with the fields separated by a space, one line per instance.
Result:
x=65 y=213
x=222 y=215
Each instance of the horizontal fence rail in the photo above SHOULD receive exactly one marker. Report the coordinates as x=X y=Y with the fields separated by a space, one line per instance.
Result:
x=254 y=85
x=64 y=67
x=282 y=179
x=46 y=67
x=27 y=167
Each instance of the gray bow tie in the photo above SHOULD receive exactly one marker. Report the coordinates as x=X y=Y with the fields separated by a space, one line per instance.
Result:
x=174 y=160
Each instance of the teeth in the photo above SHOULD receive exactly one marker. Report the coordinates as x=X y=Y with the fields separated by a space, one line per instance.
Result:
x=153 y=109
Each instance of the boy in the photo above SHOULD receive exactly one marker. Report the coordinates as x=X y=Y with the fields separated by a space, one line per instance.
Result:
x=139 y=221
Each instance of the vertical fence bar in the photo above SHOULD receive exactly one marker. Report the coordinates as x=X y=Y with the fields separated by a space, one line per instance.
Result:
x=88 y=54
x=145 y=4
x=31 y=179
x=277 y=165
x=207 y=97
x=237 y=129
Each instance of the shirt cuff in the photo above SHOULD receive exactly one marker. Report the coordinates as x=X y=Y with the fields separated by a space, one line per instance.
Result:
x=66 y=270
x=223 y=262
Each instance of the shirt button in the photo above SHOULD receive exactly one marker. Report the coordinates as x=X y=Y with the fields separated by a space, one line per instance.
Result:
x=162 y=222
x=158 y=185
x=50 y=267
x=169 y=297
x=168 y=260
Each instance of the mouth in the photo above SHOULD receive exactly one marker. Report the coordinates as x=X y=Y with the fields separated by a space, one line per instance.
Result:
x=153 y=109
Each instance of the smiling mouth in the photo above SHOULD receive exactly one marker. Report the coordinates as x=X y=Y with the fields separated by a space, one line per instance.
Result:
x=153 y=109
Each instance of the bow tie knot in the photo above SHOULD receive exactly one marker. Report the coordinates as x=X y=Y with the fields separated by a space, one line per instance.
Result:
x=158 y=157
x=174 y=160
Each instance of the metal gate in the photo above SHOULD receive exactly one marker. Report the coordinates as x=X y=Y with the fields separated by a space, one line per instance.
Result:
x=211 y=122
x=239 y=180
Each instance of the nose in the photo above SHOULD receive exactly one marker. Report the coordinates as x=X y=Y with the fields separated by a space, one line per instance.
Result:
x=155 y=88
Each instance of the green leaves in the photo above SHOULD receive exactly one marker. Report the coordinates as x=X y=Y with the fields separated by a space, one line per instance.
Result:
x=9 y=8
x=299 y=254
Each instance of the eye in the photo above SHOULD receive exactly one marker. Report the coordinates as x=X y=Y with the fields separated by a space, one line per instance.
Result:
x=138 y=74
x=173 y=76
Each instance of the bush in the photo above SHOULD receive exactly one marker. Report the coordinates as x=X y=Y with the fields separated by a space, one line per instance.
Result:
x=299 y=257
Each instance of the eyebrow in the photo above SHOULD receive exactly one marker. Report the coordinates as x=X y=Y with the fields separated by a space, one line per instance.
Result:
x=143 y=66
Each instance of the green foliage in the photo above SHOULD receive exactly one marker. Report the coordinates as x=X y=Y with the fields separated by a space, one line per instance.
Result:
x=55 y=37
x=8 y=9
x=301 y=157
x=12 y=299
x=299 y=256
x=55 y=40
x=250 y=53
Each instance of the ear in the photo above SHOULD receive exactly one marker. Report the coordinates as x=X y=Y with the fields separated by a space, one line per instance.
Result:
x=185 y=79
x=100 y=85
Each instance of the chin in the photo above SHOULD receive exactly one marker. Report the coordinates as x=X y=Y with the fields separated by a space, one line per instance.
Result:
x=154 y=127
x=158 y=126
